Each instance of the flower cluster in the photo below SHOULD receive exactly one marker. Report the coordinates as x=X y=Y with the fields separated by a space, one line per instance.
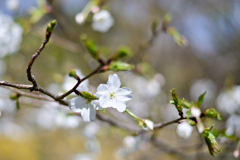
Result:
x=107 y=95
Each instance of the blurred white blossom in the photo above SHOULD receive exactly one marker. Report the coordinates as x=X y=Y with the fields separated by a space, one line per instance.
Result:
x=91 y=130
x=10 y=35
x=102 y=21
x=12 y=4
x=12 y=130
x=203 y=85
x=80 y=18
x=2 y=67
x=84 y=156
x=184 y=130
x=232 y=125
x=51 y=115
x=111 y=95
x=131 y=144
x=228 y=101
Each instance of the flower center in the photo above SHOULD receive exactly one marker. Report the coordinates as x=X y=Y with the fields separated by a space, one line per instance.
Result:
x=112 y=95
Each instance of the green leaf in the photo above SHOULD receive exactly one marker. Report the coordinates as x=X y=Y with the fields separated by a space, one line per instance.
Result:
x=200 y=99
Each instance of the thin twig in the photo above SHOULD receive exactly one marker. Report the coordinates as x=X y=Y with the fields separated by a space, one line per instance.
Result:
x=13 y=85
x=30 y=95
x=164 y=124
x=30 y=76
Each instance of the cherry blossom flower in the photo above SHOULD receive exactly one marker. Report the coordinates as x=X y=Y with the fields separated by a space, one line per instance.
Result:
x=184 y=130
x=102 y=21
x=87 y=108
x=111 y=95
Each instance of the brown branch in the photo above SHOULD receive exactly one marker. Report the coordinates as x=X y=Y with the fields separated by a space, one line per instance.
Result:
x=18 y=86
x=72 y=90
x=164 y=124
x=30 y=95
x=39 y=88
x=30 y=76
x=139 y=54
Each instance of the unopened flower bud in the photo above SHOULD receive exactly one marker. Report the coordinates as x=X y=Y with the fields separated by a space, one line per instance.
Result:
x=51 y=26
x=14 y=96
x=88 y=95
x=72 y=73
x=147 y=124
x=120 y=66
x=211 y=142
x=211 y=112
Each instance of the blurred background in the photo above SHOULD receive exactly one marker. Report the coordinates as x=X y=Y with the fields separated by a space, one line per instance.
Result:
x=209 y=62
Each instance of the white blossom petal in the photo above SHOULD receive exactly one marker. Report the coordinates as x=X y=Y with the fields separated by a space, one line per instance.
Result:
x=113 y=82
x=119 y=105
x=184 y=130
x=96 y=104
x=102 y=21
x=102 y=90
x=124 y=94
x=105 y=101
x=72 y=105
x=195 y=112
x=88 y=114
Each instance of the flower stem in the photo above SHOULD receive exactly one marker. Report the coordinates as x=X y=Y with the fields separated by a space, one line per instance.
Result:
x=132 y=115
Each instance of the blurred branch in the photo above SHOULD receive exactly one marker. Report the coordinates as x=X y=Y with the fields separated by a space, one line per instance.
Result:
x=139 y=54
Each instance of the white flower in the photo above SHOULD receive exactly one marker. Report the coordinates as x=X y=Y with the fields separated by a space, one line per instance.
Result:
x=102 y=21
x=149 y=125
x=80 y=18
x=10 y=35
x=111 y=95
x=195 y=112
x=184 y=130
x=86 y=107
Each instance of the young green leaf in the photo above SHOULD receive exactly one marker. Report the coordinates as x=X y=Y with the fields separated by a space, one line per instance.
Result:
x=200 y=99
